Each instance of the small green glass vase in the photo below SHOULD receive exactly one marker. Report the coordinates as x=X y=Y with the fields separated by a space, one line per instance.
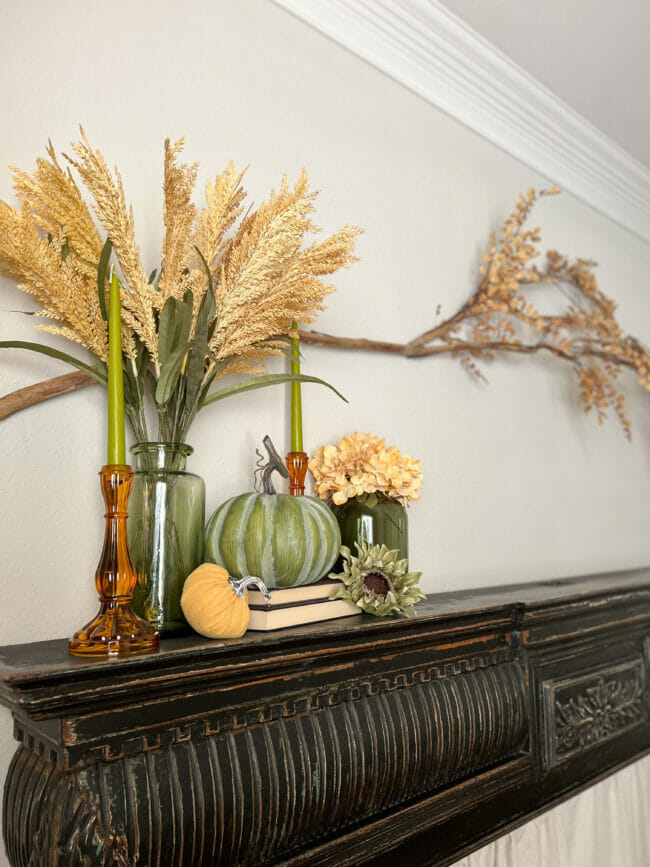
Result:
x=374 y=519
x=165 y=530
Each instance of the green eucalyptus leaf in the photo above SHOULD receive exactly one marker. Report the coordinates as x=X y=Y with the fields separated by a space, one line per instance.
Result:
x=174 y=326
x=150 y=380
x=171 y=370
x=130 y=387
x=169 y=374
x=263 y=381
x=141 y=357
x=208 y=306
x=195 y=372
x=102 y=268
x=209 y=376
x=205 y=317
x=55 y=353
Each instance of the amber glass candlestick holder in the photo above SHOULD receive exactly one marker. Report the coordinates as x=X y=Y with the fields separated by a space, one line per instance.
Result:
x=116 y=630
x=297 y=466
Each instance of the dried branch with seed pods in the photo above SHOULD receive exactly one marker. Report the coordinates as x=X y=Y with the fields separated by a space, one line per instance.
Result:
x=499 y=317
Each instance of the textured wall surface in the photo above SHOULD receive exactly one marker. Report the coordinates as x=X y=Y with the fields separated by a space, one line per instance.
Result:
x=519 y=484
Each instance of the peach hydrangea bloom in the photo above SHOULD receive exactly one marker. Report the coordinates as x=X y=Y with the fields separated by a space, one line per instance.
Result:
x=362 y=464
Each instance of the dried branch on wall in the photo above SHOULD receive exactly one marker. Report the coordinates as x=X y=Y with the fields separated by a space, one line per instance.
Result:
x=499 y=317
x=33 y=394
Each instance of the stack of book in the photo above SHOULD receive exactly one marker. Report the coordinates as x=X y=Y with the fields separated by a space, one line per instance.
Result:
x=295 y=606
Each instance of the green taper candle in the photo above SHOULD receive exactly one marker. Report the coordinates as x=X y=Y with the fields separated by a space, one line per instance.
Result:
x=116 y=441
x=296 y=396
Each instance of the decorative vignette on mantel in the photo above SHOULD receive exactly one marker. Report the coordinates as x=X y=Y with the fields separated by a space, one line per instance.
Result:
x=428 y=49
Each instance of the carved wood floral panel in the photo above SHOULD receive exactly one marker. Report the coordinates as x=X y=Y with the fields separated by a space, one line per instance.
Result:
x=587 y=710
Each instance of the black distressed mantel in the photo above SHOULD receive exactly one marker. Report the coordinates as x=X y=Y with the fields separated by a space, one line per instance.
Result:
x=357 y=741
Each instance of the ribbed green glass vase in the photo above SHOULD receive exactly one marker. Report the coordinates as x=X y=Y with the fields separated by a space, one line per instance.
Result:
x=165 y=530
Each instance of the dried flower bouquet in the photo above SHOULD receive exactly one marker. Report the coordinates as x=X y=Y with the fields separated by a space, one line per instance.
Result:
x=223 y=299
x=361 y=465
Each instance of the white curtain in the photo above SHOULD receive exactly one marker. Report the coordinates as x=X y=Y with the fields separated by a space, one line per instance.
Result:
x=607 y=825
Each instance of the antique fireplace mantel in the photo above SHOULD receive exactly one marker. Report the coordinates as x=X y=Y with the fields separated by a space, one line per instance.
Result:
x=356 y=741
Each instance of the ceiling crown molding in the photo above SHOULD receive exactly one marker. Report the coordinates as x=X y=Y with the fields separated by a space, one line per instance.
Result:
x=425 y=47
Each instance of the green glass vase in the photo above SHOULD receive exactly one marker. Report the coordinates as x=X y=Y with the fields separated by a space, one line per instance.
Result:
x=165 y=531
x=376 y=520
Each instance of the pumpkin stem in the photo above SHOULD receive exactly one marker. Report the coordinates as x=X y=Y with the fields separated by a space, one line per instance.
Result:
x=275 y=464
x=243 y=583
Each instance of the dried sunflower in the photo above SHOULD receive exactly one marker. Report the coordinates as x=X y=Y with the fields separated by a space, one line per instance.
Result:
x=377 y=581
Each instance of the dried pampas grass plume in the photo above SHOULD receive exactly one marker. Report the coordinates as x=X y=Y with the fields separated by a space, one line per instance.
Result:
x=264 y=269
x=139 y=302
x=262 y=274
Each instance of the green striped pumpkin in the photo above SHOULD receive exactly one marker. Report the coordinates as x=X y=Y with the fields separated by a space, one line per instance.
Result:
x=284 y=540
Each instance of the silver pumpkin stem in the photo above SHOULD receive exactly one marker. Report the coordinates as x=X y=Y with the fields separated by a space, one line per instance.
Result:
x=264 y=471
x=240 y=585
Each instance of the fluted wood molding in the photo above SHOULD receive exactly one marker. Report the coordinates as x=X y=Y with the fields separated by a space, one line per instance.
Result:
x=357 y=741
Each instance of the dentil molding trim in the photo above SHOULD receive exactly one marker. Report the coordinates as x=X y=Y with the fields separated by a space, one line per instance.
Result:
x=428 y=49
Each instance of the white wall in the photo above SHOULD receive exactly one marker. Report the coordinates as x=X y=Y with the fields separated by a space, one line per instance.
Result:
x=519 y=484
